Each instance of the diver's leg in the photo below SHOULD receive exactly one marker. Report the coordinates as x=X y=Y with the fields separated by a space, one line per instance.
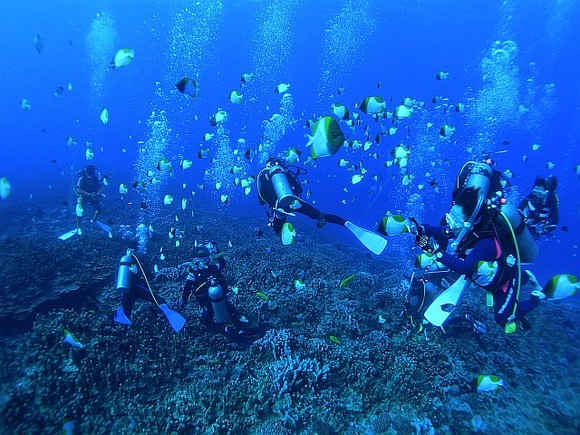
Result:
x=504 y=303
x=314 y=213
x=128 y=302
x=142 y=292
x=277 y=224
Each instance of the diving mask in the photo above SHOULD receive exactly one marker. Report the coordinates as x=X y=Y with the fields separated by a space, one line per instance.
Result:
x=539 y=191
x=456 y=219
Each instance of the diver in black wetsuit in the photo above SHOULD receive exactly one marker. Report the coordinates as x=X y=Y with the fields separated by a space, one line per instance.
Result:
x=279 y=188
x=540 y=207
x=133 y=284
x=488 y=240
x=482 y=256
x=89 y=189
x=207 y=284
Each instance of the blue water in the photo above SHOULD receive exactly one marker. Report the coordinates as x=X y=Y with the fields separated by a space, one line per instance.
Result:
x=317 y=47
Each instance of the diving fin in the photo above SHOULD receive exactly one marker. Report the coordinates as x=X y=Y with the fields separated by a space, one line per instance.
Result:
x=375 y=243
x=104 y=227
x=69 y=234
x=175 y=319
x=442 y=307
x=120 y=317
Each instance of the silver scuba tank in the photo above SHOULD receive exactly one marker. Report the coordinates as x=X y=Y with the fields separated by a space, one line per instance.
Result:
x=526 y=244
x=219 y=302
x=281 y=187
x=480 y=178
x=124 y=274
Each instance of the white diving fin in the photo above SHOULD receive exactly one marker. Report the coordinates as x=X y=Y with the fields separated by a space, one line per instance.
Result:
x=69 y=234
x=375 y=243
x=444 y=304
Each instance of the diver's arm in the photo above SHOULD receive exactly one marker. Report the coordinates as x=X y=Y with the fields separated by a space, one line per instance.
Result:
x=439 y=233
x=554 y=205
x=80 y=190
x=187 y=288
x=484 y=250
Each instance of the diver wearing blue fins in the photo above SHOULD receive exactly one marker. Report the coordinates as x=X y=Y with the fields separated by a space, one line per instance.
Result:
x=278 y=188
x=207 y=284
x=133 y=284
x=486 y=241
x=89 y=190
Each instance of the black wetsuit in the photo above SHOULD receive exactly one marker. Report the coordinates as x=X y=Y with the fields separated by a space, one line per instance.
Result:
x=138 y=290
x=90 y=185
x=542 y=215
x=198 y=283
x=486 y=248
x=267 y=195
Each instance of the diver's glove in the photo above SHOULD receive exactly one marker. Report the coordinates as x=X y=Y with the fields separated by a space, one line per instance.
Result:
x=416 y=229
x=427 y=244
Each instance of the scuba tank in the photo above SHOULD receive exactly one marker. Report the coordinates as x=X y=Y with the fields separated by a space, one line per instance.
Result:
x=421 y=293
x=527 y=245
x=219 y=302
x=284 y=192
x=124 y=273
x=479 y=177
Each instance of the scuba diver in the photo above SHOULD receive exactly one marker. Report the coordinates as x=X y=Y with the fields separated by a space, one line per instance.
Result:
x=206 y=282
x=133 y=284
x=278 y=188
x=540 y=207
x=89 y=189
x=485 y=240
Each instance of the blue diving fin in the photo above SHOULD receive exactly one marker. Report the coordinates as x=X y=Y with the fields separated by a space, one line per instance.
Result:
x=175 y=319
x=375 y=243
x=104 y=227
x=121 y=317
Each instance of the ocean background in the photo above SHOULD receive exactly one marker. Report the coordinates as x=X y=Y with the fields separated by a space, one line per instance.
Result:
x=517 y=94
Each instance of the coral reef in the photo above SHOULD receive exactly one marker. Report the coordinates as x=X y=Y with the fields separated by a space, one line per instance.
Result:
x=327 y=363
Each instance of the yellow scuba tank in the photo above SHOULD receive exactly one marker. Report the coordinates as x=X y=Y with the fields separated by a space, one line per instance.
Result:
x=526 y=243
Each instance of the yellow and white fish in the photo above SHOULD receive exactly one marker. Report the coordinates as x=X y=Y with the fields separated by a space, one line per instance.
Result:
x=5 y=188
x=122 y=58
x=186 y=163
x=561 y=286
x=187 y=86
x=105 y=116
x=485 y=383
x=70 y=339
x=326 y=139
x=219 y=117
x=282 y=87
x=394 y=224
x=235 y=97
x=340 y=110
x=373 y=105
x=287 y=233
